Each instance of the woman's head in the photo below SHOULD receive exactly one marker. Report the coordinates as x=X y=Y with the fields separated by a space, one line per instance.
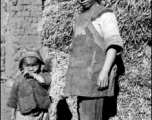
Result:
x=30 y=60
x=86 y=4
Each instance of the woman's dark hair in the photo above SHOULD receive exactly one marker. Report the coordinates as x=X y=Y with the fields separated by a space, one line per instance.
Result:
x=98 y=1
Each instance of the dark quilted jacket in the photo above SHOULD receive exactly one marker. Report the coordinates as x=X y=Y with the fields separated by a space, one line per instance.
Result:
x=15 y=93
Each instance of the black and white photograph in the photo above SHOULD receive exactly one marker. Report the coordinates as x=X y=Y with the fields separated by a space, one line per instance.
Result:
x=76 y=59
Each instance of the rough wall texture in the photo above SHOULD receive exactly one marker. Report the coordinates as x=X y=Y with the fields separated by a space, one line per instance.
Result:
x=19 y=24
x=4 y=17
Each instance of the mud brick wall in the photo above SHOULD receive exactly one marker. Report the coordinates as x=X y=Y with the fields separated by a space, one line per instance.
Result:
x=4 y=17
x=21 y=31
x=2 y=58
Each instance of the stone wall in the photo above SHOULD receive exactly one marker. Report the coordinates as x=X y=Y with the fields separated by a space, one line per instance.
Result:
x=20 y=31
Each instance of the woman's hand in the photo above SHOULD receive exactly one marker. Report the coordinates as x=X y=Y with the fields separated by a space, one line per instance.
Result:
x=102 y=81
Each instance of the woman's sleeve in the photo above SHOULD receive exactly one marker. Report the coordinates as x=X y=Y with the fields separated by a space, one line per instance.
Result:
x=13 y=99
x=110 y=31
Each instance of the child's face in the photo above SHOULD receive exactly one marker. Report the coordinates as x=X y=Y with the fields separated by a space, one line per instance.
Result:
x=31 y=64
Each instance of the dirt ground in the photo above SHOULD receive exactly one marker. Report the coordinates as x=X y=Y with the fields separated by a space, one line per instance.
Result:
x=5 y=111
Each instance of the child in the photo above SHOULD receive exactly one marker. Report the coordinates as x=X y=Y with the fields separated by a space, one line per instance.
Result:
x=29 y=98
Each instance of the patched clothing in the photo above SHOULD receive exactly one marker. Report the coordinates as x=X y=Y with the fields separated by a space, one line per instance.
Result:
x=94 y=32
x=28 y=96
x=14 y=94
x=22 y=91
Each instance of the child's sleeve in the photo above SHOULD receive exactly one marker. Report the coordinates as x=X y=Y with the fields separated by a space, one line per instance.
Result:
x=13 y=99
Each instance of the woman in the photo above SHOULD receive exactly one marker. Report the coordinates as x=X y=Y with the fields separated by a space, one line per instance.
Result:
x=92 y=64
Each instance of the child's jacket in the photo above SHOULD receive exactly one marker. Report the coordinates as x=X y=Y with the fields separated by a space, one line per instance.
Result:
x=87 y=57
x=27 y=94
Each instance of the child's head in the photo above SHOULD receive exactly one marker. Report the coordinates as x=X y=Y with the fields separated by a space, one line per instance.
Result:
x=30 y=61
x=31 y=64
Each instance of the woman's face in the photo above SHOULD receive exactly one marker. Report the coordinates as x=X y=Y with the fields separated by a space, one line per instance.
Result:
x=31 y=64
x=86 y=4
